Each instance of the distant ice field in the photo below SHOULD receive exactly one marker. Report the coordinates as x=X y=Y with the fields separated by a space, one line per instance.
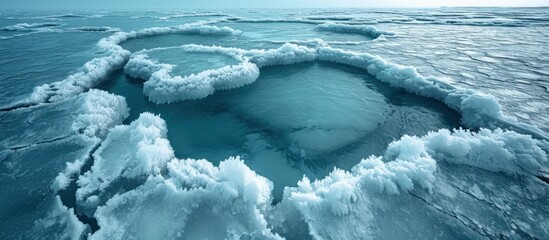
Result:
x=275 y=124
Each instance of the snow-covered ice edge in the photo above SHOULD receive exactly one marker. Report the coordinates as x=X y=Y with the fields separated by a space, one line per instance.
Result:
x=477 y=109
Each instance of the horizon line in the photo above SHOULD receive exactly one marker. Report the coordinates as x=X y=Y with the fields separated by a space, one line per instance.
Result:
x=298 y=7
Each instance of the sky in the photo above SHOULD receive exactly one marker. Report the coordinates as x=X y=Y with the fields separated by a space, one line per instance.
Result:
x=260 y=3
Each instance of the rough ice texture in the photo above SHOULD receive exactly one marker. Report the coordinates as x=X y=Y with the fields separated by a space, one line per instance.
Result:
x=189 y=199
x=97 y=69
x=369 y=31
x=98 y=112
x=226 y=200
x=284 y=55
x=497 y=151
x=343 y=200
x=62 y=221
x=411 y=161
x=63 y=179
x=164 y=88
x=140 y=66
x=129 y=152
x=217 y=210
x=405 y=164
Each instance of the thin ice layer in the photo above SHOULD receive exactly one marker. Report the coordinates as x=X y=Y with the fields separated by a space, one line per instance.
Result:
x=316 y=108
x=185 y=63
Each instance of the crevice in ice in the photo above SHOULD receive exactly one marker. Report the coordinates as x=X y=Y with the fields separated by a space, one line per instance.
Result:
x=41 y=142
x=477 y=198
x=16 y=106
x=489 y=201
x=68 y=199
x=543 y=177
x=463 y=219
x=68 y=194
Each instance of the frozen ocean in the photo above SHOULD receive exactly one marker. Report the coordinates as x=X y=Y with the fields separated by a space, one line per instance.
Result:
x=275 y=124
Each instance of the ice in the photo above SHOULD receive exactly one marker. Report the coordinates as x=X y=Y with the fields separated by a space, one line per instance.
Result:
x=192 y=79
x=365 y=196
x=30 y=26
x=270 y=33
x=39 y=156
x=97 y=69
x=187 y=62
x=498 y=151
x=274 y=124
x=238 y=122
x=317 y=111
x=181 y=201
x=61 y=223
x=35 y=57
x=26 y=176
x=146 y=152
x=169 y=211
x=91 y=113
x=368 y=31
x=98 y=112
x=162 y=86
x=478 y=109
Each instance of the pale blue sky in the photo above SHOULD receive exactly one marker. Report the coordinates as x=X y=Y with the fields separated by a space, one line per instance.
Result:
x=259 y=3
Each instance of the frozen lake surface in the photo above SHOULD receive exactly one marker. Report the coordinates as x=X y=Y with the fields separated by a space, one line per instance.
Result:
x=275 y=124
